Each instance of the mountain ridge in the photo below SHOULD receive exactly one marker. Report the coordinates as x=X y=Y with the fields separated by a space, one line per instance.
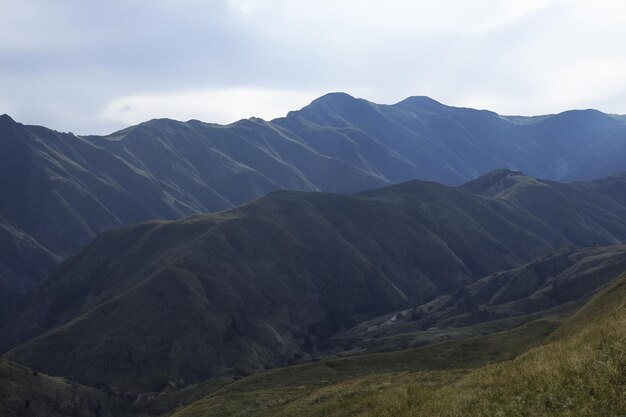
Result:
x=62 y=190
x=266 y=283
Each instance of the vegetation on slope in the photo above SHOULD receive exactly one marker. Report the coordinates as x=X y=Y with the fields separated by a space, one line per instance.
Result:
x=24 y=392
x=21 y=256
x=264 y=283
x=62 y=190
x=342 y=387
x=559 y=281
x=577 y=371
x=173 y=303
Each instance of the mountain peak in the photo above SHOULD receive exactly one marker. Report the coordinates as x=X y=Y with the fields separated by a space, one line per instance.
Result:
x=336 y=102
x=422 y=101
x=337 y=97
x=333 y=95
x=583 y=118
x=494 y=182
x=7 y=123
x=503 y=173
x=5 y=118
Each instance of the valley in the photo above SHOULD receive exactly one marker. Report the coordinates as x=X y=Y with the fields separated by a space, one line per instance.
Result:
x=296 y=267
x=268 y=208
x=557 y=376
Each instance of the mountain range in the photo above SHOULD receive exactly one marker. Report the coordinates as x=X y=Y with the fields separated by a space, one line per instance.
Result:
x=60 y=190
x=358 y=247
x=270 y=282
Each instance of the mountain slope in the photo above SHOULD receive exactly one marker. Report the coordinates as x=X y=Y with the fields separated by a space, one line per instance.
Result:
x=561 y=279
x=29 y=393
x=555 y=279
x=453 y=145
x=451 y=378
x=345 y=386
x=559 y=206
x=577 y=372
x=23 y=261
x=265 y=284
x=63 y=190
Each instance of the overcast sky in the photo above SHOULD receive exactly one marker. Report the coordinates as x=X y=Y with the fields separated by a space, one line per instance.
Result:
x=98 y=66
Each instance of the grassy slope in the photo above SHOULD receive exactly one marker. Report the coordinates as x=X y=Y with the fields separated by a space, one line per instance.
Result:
x=342 y=386
x=263 y=284
x=499 y=301
x=24 y=392
x=290 y=262
x=577 y=371
x=23 y=261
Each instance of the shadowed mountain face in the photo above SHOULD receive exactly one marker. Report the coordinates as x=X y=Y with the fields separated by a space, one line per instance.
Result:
x=59 y=190
x=560 y=206
x=22 y=256
x=29 y=393
x=555 y=279
x=263 y=284
x=577 y=370
x=564 y=276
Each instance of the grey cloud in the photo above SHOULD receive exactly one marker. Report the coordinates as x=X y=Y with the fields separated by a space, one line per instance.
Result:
x=64 y=62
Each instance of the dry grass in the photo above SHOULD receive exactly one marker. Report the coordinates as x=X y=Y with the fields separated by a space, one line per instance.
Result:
x=580 y=370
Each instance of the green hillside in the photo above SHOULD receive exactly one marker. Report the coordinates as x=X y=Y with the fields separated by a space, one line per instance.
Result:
x=579 y=371
x=61 y=190
x=576 y=371
x=269 y=284
x=24 y=392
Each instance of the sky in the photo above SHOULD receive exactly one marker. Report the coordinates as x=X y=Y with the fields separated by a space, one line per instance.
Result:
x=93 y=67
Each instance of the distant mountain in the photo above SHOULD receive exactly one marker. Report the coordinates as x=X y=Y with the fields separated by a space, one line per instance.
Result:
x=261 y=285
x=58 y=191
x=453 y=145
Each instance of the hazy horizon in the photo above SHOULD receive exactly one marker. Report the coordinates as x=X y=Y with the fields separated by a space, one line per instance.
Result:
x=96 y=68
x=296 y=109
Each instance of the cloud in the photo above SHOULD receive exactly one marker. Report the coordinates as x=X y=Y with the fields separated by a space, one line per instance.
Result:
x=374 y=17
x=74 y=65
x=221 y=106
x=246 y=7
